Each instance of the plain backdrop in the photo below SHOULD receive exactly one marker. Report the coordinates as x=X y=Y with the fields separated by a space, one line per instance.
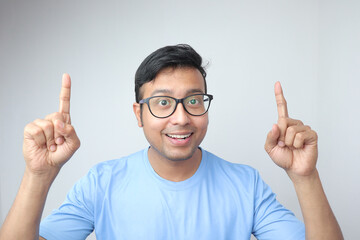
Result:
x=311 y=46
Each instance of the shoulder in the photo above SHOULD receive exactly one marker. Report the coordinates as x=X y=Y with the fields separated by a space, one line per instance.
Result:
x=117 y=170
x=118 y=165
x=231 y=169
x=242 y=181
x=239 y=177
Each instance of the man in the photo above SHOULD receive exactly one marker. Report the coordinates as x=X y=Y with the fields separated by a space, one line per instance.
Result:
x=174 y=189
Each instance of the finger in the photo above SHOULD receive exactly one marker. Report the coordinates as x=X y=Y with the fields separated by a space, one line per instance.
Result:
x=65 y=94
x=58 y=122
x=62 y=130
x=292 y=132
x=303 y=138
x=70 y=136
x=48 y=130
x=272 y=139
x=280 y=101
x=35 y=133
x=283 y=124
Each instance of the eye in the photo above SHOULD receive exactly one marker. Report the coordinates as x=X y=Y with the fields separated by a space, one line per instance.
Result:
x=193 y=101
x=163 y=102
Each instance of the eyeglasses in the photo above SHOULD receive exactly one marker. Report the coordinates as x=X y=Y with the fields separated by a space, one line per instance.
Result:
x=165 y=106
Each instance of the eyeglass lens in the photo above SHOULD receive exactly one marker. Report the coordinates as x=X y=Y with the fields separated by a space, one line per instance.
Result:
x=165 y=106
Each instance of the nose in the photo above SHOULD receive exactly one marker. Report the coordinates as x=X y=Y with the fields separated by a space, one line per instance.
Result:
x=180 y=116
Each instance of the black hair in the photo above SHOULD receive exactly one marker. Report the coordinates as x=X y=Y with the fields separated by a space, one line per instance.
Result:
x=181 y=55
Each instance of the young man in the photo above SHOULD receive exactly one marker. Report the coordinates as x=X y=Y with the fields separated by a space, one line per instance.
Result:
x=174 y=189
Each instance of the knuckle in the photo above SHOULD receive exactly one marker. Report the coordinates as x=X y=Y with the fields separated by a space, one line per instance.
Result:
x=38 y=121
x=74 y=143
x=54 y=116
x=70 y=128
x=47 y=117
x=34 y=131
x=298 y=144
x=78 y=144
x=38 y=131
x=69 y=131
x=45 y=126
x=50 y=116
x=29 y=127
x=300 y=136
x=65 y=97
x=281 y=102
x=315 y=135
x=267 y=148
x=58 y=115
x=48 y=126
x=291 y=130
x=308 y=128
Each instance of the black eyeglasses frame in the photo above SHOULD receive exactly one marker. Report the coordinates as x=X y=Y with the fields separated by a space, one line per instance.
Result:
x=177 y=101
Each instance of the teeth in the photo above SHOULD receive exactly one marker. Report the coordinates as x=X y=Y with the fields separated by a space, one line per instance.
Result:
x=179 y=136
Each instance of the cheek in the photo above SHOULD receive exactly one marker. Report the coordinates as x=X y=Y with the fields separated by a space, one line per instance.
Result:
x=151 y=123
x=203 y=123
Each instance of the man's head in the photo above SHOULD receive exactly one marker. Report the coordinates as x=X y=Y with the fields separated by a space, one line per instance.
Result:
x=174 y=128
x=177 y=56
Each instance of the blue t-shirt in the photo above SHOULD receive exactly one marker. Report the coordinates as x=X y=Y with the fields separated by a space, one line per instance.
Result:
x=126 y=199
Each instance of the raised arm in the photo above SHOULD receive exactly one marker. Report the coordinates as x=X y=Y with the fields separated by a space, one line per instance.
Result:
x=48 y=144
x=293 y=147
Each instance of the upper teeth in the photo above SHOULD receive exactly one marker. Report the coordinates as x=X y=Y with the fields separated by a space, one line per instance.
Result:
x=179 y=136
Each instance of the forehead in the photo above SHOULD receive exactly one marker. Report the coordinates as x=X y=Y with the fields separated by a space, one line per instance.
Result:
x=176 y=82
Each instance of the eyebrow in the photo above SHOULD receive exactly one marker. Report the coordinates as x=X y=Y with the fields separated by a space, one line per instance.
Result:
x=167 y=91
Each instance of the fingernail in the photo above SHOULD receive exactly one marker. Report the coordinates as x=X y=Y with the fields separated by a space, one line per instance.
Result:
x=60 y=124
x=59 y=140
x=281 y=144
x=52 y=148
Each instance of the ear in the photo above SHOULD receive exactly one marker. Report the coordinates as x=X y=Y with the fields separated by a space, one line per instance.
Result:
x=137 y=112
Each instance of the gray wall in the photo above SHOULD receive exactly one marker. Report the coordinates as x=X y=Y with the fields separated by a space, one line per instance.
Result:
x=312 y=47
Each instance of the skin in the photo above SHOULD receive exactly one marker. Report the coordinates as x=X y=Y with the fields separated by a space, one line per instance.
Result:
x=49 y=143
x=293 y=147
x=175 y=160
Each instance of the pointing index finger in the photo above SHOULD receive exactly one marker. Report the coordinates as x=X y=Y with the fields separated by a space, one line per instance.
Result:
x=280 y=101
x=65 y=94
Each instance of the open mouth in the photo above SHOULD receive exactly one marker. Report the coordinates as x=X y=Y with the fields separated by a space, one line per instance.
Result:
x=173 y=136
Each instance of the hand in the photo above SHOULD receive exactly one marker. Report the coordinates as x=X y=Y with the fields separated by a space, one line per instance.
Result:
x=49 y=143
x=291 y=144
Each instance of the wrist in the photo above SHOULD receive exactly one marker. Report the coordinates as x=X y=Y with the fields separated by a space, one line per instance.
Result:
x=309 y=178
x=40 y=180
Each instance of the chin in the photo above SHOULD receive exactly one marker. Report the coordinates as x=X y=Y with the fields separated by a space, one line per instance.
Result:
x=178 y=158
x=177 y=155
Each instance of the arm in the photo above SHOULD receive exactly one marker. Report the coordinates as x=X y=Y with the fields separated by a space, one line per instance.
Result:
x=293 y=147
x=48 y=144
x=320 y=222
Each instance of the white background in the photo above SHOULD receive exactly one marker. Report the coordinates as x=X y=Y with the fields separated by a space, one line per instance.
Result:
x=311 y=46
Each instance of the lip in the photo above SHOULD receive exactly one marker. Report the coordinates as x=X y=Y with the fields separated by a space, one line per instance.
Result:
x=179 y=141
x=179 y=135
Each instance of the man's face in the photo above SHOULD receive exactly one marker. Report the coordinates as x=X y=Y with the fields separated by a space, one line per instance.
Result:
x=178 y=136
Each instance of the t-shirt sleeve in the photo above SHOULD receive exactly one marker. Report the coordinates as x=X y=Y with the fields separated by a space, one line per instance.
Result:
x=271 y=219
x=74 y=219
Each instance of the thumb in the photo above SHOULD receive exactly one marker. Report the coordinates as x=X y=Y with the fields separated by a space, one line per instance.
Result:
x=68 y=135
x=59 y=126
x=272 y=138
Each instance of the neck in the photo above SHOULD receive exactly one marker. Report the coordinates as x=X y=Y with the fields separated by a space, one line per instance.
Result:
x=171 y=170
